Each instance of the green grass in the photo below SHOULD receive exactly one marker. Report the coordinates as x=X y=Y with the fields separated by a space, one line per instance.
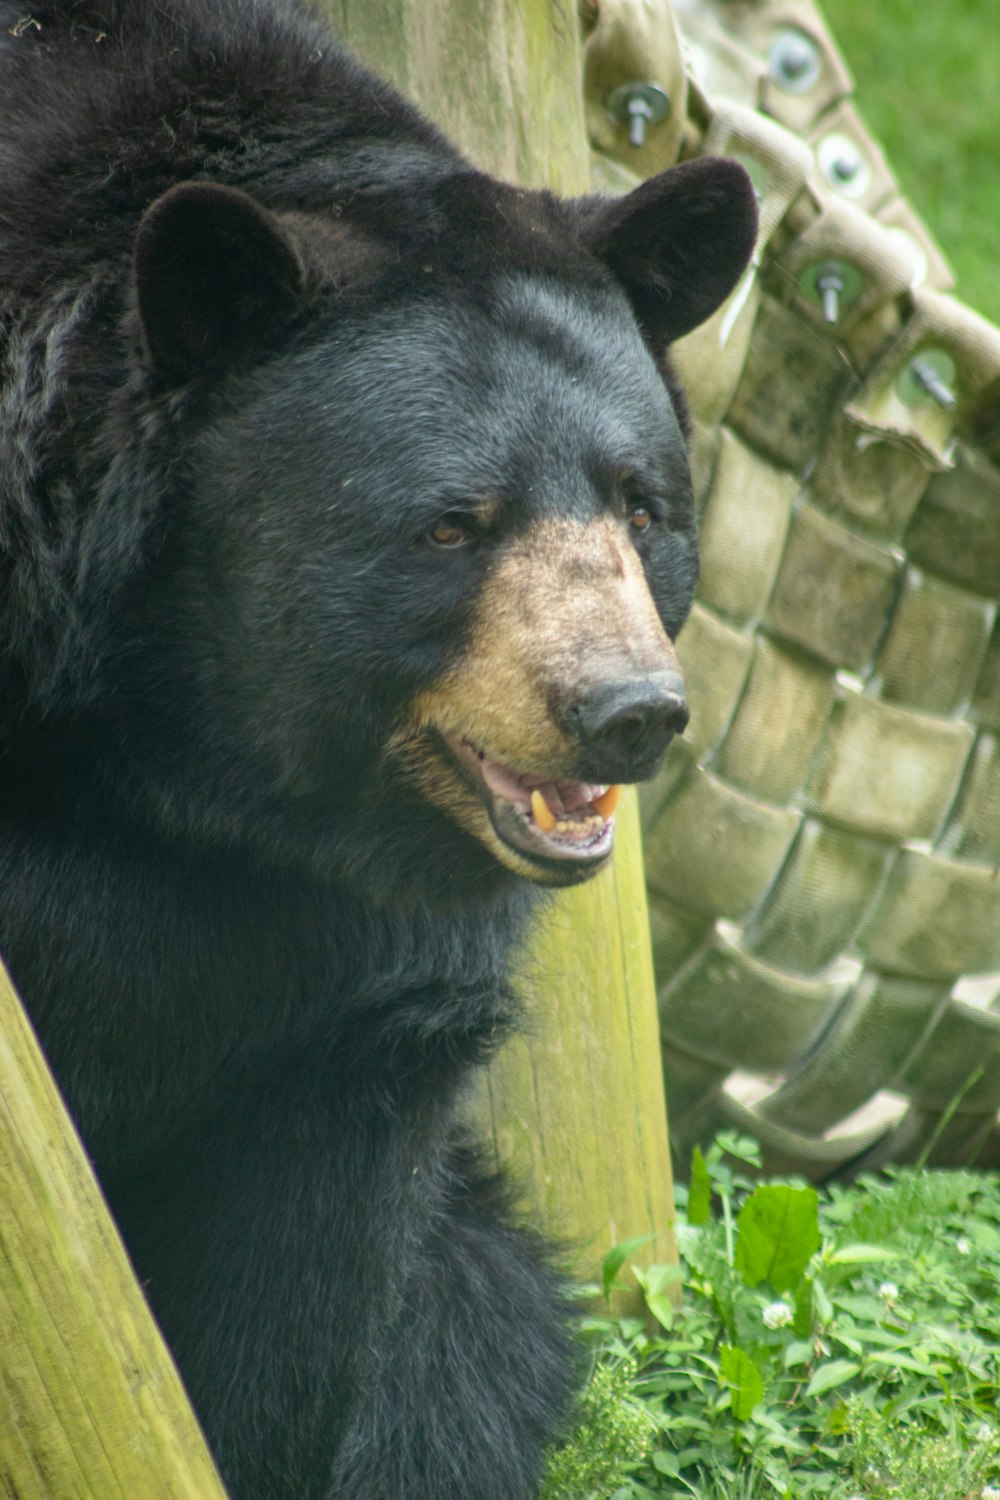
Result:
x=928 y=85
x=840 y=1345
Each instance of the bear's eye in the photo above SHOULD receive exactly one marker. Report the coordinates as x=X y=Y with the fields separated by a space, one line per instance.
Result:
x=640 y=517
x=450 y=533
x=641 y=509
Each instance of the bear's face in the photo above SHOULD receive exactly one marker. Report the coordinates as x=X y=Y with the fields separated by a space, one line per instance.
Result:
x=574 y=552
x=464 y=540
x=438 y=548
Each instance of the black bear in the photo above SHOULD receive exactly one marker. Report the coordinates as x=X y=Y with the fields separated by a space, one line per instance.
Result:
x=345 y=529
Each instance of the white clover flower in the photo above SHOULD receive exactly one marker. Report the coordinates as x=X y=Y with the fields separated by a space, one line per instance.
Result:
x=989 y=1492
x=984 y=1432
x=778 y=1315
x=963 y=1247
x=888 y=1291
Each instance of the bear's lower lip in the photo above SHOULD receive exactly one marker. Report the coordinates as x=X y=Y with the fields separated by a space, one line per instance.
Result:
x=577 y=825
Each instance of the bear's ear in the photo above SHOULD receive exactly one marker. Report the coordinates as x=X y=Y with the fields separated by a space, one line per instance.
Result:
x=215 y=276
x=678 y=244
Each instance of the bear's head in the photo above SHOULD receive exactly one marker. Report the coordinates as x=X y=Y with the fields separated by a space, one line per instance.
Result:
x=432 y=533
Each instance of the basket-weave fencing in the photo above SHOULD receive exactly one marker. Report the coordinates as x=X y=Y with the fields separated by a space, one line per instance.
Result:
x=822 y=851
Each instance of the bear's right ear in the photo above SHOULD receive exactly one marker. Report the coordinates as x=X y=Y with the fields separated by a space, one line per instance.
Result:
x=215 y=275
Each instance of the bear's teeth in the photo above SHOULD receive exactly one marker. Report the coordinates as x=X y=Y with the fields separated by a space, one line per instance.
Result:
x=606 y=803
x=580 y=829
x=584 y=824
x=542 y=813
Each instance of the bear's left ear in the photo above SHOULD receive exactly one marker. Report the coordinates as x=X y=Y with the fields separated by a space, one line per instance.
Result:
x=678 y=244
x=215 y=274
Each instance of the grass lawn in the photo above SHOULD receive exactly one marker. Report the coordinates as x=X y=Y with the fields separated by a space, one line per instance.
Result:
x=928 y=85
x=839 y=1345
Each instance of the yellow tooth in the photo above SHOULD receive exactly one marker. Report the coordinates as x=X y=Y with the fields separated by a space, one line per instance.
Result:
x=542 y=812
x=606 y=803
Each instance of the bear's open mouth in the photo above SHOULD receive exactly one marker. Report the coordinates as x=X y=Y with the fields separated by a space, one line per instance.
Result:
x=544 y=818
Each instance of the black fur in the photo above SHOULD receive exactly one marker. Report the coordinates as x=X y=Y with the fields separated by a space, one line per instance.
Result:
x=261 y=964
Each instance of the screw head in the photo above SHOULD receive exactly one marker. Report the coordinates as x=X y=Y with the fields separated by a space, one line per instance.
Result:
x=794 y=61
x=833 y=285
x=843 y=164
x=929 y=376
x=636 y=105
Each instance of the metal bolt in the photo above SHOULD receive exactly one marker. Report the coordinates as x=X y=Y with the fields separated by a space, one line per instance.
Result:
x=638 y=105
x=929 y=374
x=845 y=169
x=831 y=288
x=794 y=61
x=843 y=163
x=833 y=284
x=930 y=381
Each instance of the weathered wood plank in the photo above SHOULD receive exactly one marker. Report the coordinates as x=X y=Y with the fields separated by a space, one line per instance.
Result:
x=501 y=77
x=91 y=1406
x=578 y=1104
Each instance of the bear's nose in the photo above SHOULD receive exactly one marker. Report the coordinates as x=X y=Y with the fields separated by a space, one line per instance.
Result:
x=625 y=726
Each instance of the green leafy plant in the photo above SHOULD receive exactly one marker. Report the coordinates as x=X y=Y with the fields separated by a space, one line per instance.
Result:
x=611 y=1436
x=829 y=1345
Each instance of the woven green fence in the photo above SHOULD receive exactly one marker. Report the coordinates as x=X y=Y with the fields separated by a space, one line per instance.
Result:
x=822 y=851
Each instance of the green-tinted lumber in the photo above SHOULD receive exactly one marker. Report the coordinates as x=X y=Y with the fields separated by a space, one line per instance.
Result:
x=502 y=78
x=91 y=1406
x=577 y=1104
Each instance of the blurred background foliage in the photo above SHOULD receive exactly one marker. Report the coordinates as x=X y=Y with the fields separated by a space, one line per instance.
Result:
x=928 y=85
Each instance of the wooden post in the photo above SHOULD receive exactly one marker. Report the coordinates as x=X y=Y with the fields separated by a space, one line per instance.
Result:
x=91 y=1406
x=502 y=78
x=578 y=1106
